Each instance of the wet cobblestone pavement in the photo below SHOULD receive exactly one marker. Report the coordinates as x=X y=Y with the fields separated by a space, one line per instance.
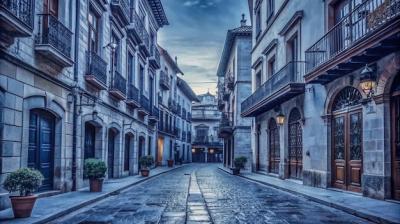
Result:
x=204 y=194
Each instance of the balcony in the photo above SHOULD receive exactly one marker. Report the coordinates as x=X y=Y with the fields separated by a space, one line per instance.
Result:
x=136 y=28
x=118 y=86
x=285 y=84
x=366 y=34
x=144 y=108
x=154 y=115
x=144 y=46
x=96 y=70
x=164 y=80
x=225 y=125
x=206 y=141
x=54 y=40
x=225 y=95
x=184 y=113
x=230 y=82
x=133 y=96
x=179 y=110
x=221 y=104
x=189 y=117
x=154 y=58
x=121 y=11
x=183 y=136
x=16 y=19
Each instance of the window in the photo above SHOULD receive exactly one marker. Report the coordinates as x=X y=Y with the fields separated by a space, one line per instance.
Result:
x=141 y=79
x=117 y=53
x=270 y=10
x=258 y=79
x=131 y=69
x=93 y=31
x=271 y=67
x=293 y=49
x=258 y=23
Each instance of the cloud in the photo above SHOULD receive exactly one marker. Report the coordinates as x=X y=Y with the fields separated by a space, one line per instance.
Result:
x=196 y=35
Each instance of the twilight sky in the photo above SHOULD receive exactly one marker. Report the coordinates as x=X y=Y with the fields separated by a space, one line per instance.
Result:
x=196 y=35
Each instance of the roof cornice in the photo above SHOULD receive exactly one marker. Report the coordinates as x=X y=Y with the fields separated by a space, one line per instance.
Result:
x=158 y=12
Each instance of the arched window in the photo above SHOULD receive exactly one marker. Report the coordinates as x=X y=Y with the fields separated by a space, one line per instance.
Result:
x=295 y=145
x=274 y=149
x=347 y=97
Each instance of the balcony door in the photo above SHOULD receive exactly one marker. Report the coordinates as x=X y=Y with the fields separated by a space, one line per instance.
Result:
x=347 y=140
x=51 y=7
x=395 y=140
x=295 y=145
x=274 y=147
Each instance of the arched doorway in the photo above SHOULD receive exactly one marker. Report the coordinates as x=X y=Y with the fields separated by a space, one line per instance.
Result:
x=41 y=145
x=295 y=145
x=274 y=146
x=129 y=140
x=142 y=142
x=90 y=141
x=395 y=139
x=112 y=135
x=347 y=140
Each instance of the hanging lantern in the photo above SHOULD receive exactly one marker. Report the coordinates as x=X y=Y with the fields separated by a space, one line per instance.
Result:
x=280 y=119
x=367 y=81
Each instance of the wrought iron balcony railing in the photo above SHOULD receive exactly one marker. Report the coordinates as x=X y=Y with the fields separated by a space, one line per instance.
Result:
x=21 y=9
x=230 y=82
x=96 y=70
x=155 y=112
x=366 y=18
x=118 y=85
x=292 y=72
x=164 y=80
x=52 y=32
x=145 y=103
x=184 y=136
x=122 y=9
x=154 y=56
x=133 y=93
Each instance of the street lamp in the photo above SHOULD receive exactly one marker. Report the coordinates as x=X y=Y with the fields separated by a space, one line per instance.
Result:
x=280 y=119
x=367 y=81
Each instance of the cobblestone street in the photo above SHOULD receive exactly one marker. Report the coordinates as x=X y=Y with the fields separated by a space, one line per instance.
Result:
x=204 y=194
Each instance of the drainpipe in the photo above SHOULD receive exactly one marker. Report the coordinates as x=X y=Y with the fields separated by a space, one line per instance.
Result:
x=75 y=107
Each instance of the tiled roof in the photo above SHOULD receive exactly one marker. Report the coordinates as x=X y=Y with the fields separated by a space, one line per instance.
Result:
x=187 y=90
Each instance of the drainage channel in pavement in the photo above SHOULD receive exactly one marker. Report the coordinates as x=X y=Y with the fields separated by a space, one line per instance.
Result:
x=196 y=205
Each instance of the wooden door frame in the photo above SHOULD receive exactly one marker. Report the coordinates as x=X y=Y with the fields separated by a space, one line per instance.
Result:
x=346 y=115
x=395 y=94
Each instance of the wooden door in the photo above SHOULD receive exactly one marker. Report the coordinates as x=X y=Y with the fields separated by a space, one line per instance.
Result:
x=111 y=147
x=127 y=152
x=90 y=140
x=395 y=140
x=41 y=146
x=295 y=145
x=347 y=150
x=274 y=147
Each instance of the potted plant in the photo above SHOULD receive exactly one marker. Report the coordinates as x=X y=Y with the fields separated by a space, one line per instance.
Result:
x=170 y=162
x=95 y=170
x=239 y=163
x=25 y=181
x=145 y=163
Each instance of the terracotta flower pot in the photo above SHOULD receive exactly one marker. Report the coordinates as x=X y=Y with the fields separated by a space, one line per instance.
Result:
x=22 y=206
x=235 y=171
x=170 y=162
x=96 y=185
x=145 y=172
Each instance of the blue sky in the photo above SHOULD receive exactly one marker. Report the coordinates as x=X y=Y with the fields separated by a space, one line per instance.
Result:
x=196 y=35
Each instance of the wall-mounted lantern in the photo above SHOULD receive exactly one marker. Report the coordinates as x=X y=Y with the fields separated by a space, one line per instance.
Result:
x=280 y=119
x=367 y=81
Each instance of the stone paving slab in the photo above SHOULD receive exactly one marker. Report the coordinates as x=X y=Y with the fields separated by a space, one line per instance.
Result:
x=375 y=210
x=49 y=208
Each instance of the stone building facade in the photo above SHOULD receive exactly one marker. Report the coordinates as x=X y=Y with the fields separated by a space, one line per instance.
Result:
x=78 y=81
x=234 y=86
x=325 y=105
x=174 y=98
x=206 y=146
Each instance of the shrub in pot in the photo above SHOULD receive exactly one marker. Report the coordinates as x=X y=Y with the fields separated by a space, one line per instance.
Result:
x=145 y=163
x=239 y=163
x=25 y=181
x=95 y=170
